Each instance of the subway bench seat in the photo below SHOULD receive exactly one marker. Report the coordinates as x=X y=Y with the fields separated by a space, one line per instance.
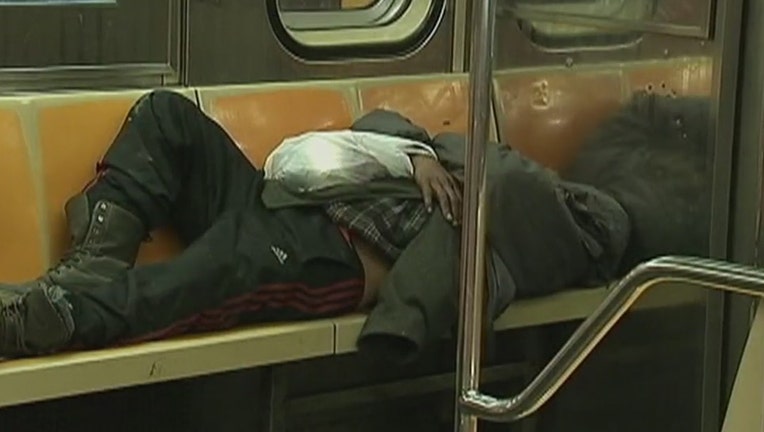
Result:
x=51 y=143
x=50 y=146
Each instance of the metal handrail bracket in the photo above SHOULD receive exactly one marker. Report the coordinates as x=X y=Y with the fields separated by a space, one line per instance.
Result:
x=659 y=272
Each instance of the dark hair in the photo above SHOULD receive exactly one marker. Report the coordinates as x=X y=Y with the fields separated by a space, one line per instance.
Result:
x=651 y=157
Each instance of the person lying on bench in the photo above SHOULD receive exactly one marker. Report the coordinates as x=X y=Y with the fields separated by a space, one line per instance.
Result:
x=309 y=242
x=170 y=164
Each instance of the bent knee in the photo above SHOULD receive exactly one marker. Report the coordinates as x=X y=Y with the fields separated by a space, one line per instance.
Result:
x=161 y=102
x=169 y=100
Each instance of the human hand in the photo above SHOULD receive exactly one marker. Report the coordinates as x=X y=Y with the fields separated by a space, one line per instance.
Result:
x=436 y=182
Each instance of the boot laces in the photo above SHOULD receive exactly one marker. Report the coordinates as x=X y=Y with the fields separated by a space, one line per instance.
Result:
x=72 y=258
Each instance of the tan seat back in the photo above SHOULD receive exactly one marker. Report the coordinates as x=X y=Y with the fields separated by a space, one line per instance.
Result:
x=258 y=118
x=22 y=251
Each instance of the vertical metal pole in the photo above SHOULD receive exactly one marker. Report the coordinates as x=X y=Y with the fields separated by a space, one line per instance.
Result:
x=472 y=268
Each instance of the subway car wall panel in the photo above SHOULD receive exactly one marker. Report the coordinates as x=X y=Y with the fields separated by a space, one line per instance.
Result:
x=136 y=31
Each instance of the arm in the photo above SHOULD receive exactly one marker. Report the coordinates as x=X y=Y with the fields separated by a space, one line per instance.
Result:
x=405 y=157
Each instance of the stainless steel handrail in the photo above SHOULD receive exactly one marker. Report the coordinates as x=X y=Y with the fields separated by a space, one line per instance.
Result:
x=706 y=273
x=473 y=229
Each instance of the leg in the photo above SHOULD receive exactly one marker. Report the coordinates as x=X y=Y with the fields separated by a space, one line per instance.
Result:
x=169 y=163
x=247 y=267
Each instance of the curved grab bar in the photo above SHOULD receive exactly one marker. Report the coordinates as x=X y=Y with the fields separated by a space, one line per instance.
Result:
x=707 y=273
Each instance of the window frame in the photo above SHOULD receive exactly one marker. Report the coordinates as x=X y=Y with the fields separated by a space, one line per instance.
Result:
x=395 y=27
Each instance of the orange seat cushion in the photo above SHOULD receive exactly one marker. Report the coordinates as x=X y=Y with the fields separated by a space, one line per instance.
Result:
x=22 y=255
x=548 y=115
x=438 y=105
x=259 y=120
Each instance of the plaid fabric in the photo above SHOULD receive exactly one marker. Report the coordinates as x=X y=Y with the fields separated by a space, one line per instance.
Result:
x=387 y=223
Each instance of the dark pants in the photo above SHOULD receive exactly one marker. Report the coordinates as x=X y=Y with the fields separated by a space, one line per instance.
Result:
x=170 y=164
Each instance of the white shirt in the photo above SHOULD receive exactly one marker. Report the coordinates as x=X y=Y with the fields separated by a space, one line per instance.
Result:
x=319 y=160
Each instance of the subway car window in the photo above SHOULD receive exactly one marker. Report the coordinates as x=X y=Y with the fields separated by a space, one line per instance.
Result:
x=317 y=15
x=326 y=5
x=389 y=25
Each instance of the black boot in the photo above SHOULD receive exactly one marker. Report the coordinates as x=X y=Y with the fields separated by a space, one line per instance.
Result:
x=36 y=321
x=35 y=317
x=105 y=242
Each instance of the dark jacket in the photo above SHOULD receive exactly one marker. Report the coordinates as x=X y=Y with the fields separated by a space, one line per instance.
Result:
x=543 y=235
x=640 y=188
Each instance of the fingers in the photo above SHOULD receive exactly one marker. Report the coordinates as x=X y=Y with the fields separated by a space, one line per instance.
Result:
x=427 y=196
x=445 y=207
x=456 y=198
x=449 y=198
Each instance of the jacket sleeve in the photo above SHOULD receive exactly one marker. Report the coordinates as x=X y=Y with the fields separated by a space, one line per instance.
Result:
x=391 y=123
x=418 y=300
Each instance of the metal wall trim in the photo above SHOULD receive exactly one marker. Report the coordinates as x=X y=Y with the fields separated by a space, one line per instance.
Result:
x=744 y=238
x=20 y=79
x=727 y=35
x=459 y=45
